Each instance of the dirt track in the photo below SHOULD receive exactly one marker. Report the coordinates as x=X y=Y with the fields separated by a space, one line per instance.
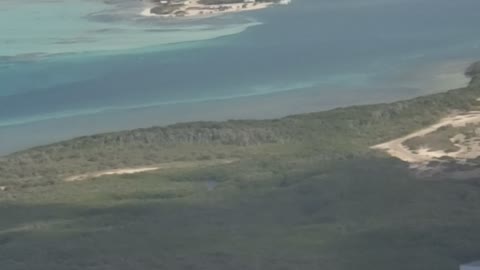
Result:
x=397 y=149
x=169 y=165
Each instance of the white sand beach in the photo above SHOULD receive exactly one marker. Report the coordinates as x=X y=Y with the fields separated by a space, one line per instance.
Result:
x=147 y=12
x=194 y=8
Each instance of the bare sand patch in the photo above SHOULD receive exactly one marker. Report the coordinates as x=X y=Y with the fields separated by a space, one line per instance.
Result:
x=468 y=148
x=162 y=166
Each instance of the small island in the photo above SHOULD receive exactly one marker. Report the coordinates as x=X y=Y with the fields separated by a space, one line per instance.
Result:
x=200 y=8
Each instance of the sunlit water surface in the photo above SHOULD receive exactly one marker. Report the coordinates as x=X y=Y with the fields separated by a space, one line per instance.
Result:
x=71 y=67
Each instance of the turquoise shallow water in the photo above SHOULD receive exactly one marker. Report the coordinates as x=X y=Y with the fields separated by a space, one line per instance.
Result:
x=31 y=29
x=72 y=67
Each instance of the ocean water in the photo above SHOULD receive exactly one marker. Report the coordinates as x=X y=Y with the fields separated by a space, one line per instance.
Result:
x=77 y=67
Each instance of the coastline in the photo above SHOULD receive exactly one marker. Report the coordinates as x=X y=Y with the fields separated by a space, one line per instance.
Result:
x=388 y=120
x=270 y=106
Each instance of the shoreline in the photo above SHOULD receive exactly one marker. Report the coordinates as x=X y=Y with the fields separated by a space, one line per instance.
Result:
x=272 y=106
x=450 y=76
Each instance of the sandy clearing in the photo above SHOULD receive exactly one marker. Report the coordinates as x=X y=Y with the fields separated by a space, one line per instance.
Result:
x=162 y=166
x=111 y=172
x=396 y=148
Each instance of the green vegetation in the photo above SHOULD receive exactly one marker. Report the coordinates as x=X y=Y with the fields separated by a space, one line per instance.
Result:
x=473 y=70
x=165 y=9
x=364 y=213
x=330 y=135
x=221 y=2
x=438 y=140
x=305 y=193
x=175 y=7
x=443 y=139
